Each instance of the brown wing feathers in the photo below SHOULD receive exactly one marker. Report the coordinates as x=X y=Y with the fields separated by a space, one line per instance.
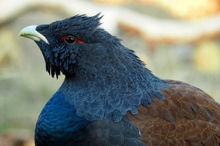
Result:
x=186 y=117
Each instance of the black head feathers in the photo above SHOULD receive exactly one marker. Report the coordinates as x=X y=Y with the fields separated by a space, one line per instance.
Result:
x=71 y=44
x=61 y=41
x=81 y=26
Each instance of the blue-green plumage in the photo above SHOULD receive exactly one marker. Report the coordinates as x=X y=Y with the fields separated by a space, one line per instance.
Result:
x=104 y=80
x=58 y=123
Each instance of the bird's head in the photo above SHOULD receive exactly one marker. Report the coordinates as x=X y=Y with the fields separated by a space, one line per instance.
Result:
x=62 y=42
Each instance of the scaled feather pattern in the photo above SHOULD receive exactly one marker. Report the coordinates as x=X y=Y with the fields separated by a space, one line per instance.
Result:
x=109 y=97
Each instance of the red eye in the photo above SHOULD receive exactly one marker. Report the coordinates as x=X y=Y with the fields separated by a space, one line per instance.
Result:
x=70 y=39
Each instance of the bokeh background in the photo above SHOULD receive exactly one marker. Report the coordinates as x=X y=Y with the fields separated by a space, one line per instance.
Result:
x=177 y=39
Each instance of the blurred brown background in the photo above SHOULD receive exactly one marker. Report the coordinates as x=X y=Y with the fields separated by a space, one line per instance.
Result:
x=177 y=39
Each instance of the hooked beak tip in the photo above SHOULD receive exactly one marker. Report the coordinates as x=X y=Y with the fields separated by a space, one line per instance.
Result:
x=31 y=33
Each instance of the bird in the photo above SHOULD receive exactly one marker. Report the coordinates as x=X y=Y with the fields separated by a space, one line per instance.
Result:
x=110 y=98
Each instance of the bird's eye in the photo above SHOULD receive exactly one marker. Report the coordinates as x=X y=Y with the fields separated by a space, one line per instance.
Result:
x=69 y=39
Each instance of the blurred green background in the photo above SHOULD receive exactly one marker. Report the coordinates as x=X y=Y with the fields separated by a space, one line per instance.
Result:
x=25 y=86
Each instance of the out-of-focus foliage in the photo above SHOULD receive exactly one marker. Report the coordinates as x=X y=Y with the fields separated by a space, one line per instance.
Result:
x=9 y=54
x=207 y=57
x=185 y=9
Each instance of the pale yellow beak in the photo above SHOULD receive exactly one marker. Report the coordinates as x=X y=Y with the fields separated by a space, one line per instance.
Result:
x=31 y=33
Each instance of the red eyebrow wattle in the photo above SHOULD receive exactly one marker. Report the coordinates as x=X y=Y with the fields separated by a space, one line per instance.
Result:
x=79 y=41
